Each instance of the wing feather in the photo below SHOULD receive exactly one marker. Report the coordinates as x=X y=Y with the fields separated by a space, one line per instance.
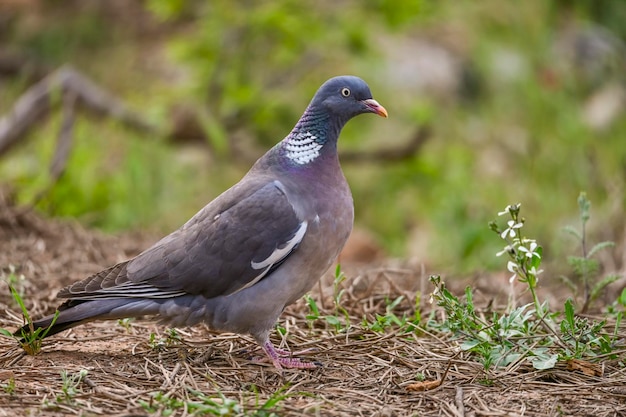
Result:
x=231 y=244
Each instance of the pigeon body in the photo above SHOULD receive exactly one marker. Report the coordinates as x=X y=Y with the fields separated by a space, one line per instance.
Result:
x=252 y=251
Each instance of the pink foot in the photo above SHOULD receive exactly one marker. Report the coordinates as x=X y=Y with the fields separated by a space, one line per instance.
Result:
x=282 y=358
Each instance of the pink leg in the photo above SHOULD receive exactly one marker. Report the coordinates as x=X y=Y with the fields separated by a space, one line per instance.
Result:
x=282 y=358
x=287 y=353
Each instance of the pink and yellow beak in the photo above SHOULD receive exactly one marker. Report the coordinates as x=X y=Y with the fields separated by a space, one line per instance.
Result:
x=375 y=107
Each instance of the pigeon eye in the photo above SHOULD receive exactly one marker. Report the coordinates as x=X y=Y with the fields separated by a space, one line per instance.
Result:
x=345 y=92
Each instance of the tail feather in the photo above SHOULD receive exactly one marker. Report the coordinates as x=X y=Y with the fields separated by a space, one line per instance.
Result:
x=75 y=312
x=45 y=324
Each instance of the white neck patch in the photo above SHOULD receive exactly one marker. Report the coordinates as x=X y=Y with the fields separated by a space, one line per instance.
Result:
x=302 y=148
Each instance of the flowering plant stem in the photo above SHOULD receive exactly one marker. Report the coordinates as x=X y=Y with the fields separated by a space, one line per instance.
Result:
x=524 y=254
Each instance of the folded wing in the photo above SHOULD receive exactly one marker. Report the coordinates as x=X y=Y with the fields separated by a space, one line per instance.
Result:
x=223 y=249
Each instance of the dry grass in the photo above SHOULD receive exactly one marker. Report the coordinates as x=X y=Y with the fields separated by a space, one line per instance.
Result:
x=364 y=373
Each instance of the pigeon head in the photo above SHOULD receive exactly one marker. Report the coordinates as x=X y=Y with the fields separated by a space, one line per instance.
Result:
x=337 y=101
x=345 y=97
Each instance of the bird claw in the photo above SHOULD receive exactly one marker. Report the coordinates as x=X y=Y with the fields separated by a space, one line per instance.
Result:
x=295 y=363
x=282 y=358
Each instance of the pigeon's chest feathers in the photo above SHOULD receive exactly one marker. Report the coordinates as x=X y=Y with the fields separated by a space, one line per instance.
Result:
x=303 y=147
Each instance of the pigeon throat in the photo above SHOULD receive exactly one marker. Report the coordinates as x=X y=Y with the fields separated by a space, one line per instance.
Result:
x=311 y=137
x=303 y=147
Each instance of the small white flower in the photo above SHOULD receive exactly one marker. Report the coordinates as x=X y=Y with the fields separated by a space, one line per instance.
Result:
x=534 y=271
x=507 y=249
x=510 y=231
x=505 y=211
x=510 y=208
x=435 y=292
x=531 y=250
x=512 y=267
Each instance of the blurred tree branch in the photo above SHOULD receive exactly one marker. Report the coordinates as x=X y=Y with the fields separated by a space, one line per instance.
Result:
x=35 y=104
x=399 y=153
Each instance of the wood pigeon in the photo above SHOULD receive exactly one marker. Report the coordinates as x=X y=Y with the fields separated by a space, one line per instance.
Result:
x=252 y=251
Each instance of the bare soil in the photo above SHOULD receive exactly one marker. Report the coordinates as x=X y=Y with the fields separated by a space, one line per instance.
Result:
x=363 y=373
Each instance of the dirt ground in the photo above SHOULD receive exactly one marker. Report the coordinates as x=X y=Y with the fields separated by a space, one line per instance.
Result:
x=364 y=373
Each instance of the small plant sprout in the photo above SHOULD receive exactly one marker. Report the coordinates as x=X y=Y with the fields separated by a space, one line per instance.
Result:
x=70 y=383
x=586 y=268
x=582 y=336
x=31 y=338
x=404 y=323
x=340 y=319
x=338 y=292
x=524 y=254
x=126 y=324
x=9 y=387
x=159 y=343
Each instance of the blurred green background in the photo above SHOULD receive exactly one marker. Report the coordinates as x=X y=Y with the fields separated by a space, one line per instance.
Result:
x=525 y=102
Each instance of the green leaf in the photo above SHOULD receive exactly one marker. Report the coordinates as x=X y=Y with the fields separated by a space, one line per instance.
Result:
x=618 y=322
x=395 y=303
x=333 y=320
x=470 y=344
x=469 y=299
x=312 y=306
x=583 y=267
x=20 y=302
x=597 y=289
x=535 y=261
x=584 y=205
x=622 y=298
x=599 y=246
x=573 y=232
x=569 y=313
x=543 y=361
x=5 y=332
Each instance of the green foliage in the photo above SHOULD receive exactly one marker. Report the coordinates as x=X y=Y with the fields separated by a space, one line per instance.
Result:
x=390 y=320
x=530 y=332
x=583 y=336
x=172 y=338
x=585 y=267
x=70 y=385
x=237 y=52
x=497 y=340
x=9 y=387
x=340 y=319
x=126 y=324
x=30 y=339
x=198 y=403
x=524 y=254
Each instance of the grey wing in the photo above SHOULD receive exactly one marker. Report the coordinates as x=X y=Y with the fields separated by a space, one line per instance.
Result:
x=211 y=255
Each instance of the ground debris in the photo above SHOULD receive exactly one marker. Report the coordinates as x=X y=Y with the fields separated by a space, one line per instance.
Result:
x=133 y=369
